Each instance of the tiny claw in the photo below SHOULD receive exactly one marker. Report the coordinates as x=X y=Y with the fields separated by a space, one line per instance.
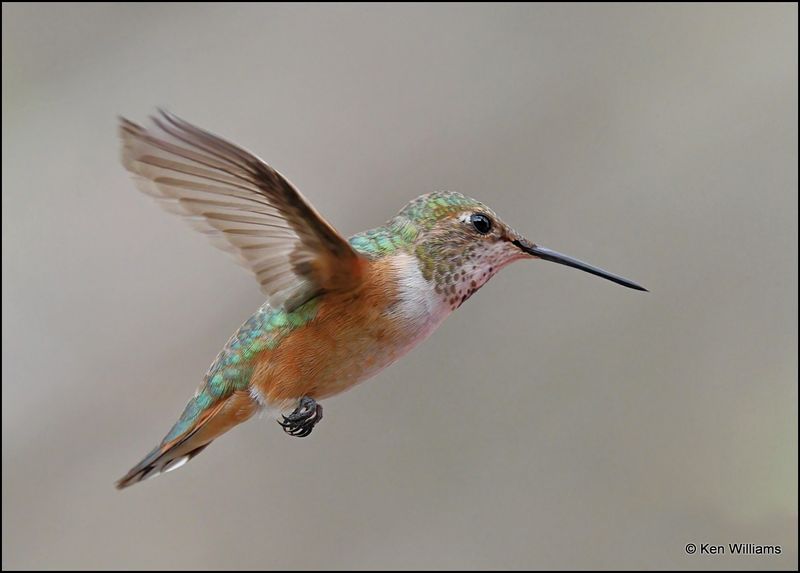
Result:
x=303 y=419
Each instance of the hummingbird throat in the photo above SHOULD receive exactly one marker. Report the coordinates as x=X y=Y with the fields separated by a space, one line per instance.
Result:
x=458 y=271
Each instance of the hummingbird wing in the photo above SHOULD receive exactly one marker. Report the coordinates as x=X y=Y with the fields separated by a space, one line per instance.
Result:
x=245 y=206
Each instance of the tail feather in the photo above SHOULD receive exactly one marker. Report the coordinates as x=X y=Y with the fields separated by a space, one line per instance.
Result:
x=175 y=451
x=156 y=463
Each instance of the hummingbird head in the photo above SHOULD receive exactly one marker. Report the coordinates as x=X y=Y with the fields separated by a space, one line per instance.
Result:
x=461 y=243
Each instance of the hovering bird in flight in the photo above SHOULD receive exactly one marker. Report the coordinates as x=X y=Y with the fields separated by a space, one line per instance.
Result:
x=338 y=311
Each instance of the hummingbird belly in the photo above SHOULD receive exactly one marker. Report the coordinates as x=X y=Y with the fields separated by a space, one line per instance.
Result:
x=349 y=337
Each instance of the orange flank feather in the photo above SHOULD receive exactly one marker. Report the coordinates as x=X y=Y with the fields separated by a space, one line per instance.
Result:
x=352 y=336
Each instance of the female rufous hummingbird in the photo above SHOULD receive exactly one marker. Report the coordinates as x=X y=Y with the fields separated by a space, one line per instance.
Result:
x=338 y=311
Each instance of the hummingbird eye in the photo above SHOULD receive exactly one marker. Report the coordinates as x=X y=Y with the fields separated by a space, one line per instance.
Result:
x=481 y=222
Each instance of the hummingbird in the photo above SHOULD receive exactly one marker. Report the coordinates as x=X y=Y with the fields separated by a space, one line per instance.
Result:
x=337 y=311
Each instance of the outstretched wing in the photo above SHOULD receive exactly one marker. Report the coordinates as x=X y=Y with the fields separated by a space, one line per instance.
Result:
x=245 y=206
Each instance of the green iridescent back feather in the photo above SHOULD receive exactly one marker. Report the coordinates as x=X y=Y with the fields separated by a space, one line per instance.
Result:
x=232 y=369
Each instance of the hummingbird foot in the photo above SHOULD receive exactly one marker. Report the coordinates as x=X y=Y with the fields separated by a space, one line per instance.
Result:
x=300 y=422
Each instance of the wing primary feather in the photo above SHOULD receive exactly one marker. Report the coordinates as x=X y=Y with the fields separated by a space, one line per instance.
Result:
x=245 y=206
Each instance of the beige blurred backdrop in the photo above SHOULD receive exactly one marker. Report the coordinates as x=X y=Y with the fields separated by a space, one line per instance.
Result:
x=554 y=421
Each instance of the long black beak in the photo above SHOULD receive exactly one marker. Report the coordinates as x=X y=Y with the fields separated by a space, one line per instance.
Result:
x=556 y=257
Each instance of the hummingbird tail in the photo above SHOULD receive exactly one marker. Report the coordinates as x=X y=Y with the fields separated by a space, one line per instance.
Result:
x=156 y=463
x=175 y=451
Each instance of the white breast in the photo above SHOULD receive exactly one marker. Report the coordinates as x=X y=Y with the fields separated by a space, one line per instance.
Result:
x=420 y=307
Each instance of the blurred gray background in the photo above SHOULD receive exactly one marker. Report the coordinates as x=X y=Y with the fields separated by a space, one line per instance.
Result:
x=556 y=420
